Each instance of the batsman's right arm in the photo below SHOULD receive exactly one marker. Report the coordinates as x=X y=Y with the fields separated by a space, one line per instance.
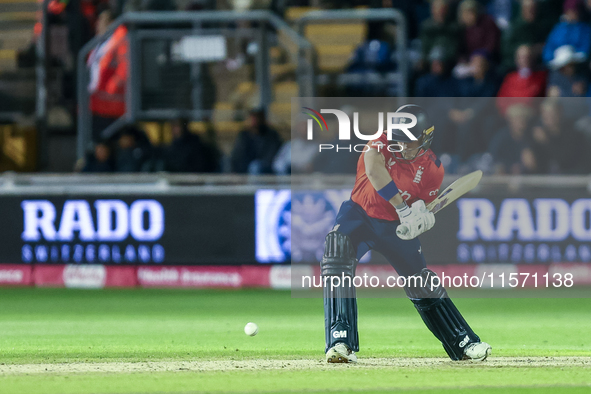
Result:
x=375 y=169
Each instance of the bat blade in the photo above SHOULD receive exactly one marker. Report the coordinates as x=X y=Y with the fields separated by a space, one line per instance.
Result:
x=454 y=191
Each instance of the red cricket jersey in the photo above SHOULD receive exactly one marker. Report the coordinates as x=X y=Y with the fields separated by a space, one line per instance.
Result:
x=417 y=180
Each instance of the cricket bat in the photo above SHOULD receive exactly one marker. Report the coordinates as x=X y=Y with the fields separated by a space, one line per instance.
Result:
x=454 y=191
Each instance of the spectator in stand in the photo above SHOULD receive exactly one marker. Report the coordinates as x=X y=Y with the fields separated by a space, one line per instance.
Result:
x=108 y=76
x=565 y=79
x=558 y=148
x=524 y=83
x=133 y=151
x=439 y=82
x=373 y=55
x=212 y=149
x=255 y=146
x=483 y=81
x=528 y=29
x=480 y=30
x=550 y=11
x=441 y=30
x=510 y=146
x=100 y=160
x=297 y=155
x=186 y=153
x=415 y=11
x=502 y=12
x=149 y=5
x=473 y=120
x=571 y=31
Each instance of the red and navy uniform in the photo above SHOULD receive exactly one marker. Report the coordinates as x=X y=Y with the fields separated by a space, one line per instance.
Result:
x=416 y=180
x=370 y=221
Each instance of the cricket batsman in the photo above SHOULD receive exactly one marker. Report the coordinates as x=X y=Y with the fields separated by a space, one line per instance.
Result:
x=387 y=213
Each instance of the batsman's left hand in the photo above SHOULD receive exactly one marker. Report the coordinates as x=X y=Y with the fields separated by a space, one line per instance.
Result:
x=420 y=221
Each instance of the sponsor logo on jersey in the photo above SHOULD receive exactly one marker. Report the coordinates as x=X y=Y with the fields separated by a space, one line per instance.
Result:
x=339 y=334
x=390 y=163
x=419 y=174
x=434 y=192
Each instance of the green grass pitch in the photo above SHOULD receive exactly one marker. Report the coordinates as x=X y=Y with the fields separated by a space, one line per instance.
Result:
x=188 y=341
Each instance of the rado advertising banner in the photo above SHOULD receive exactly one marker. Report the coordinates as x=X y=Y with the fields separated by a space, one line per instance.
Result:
x=490 y=225
x=493 y=224
x=128 y=230
x=543 y=226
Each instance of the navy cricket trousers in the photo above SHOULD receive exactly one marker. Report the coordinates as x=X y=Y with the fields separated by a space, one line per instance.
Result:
x=368 y=233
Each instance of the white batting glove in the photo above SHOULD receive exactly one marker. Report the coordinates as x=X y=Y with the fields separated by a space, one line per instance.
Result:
x=414 y=220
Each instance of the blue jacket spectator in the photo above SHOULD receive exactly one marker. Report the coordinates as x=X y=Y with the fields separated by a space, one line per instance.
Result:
x=374 y=54
x=569 y=32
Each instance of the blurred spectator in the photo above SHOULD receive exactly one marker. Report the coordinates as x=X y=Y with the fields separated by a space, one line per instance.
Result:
x=571 y=31
x=440 y=30
x=480 y=30
x=558 y=148
x=439 y=82
x=523 y=84
x=158 y=5
x=502 y=12
x=333 y=161
x=415 y=12
x=149 y=5
x=509 y=147
x=187 y=153
x=528 y=29
x=255 y=146
x=297 y=155
x=133 y=150
x=565 y=80
x=108 y=75
x=100 y=160
x=550 y=10
x=483 y=81
x=473 y=118
x=374 y=54
x=212 y=149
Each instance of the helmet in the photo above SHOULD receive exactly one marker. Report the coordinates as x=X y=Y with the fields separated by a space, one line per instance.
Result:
x=422 y=131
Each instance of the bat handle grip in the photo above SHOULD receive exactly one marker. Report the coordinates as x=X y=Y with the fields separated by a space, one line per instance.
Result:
x=401 y=230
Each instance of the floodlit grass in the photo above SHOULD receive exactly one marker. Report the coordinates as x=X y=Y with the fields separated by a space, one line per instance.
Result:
x=73 y=326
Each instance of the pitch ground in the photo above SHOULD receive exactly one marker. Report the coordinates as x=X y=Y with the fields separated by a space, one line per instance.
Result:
x=180 y=341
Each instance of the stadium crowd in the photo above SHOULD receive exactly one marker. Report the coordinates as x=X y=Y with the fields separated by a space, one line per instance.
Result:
x=510 y=51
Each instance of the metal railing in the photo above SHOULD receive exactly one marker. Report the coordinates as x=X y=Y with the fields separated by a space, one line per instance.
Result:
x=142 y=25
x=386 y=15
x=165 y=183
